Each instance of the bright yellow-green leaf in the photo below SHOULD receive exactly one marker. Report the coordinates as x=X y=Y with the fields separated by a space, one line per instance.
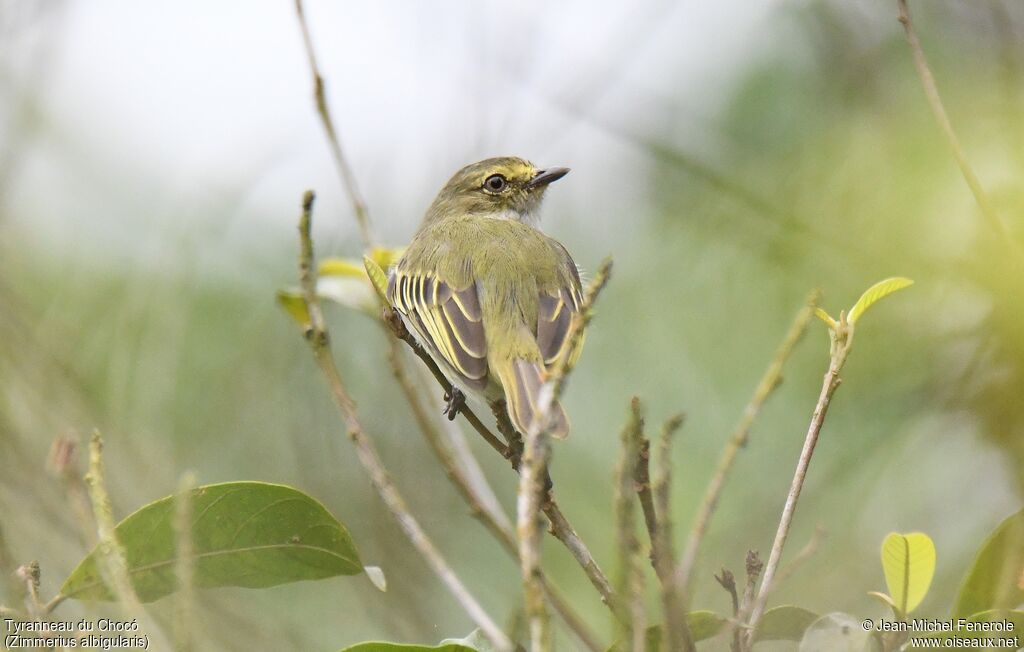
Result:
x=825 y=317
x=340 y=267
x=294 y=305
x=876 y=292
x=377 y=276
x=909 y=563
x=385 y=257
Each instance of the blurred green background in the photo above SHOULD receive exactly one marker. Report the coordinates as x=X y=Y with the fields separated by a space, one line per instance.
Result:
x=730 y=159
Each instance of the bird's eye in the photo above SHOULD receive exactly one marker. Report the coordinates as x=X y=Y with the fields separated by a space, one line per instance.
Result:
x=495 y=183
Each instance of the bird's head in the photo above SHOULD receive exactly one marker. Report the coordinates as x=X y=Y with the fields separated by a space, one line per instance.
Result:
x=507 y=188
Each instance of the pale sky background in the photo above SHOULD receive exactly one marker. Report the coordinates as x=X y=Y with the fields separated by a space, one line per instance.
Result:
x=149 y=112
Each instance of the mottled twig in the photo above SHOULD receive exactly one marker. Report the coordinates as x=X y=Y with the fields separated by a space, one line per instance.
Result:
x=931 y=91
x=365 y=450
x=348 y=178
x=769 y=381
x=630 y=589
x=675 y=631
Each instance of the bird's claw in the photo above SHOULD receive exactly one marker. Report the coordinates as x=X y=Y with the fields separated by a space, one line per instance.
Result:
x=454 y=400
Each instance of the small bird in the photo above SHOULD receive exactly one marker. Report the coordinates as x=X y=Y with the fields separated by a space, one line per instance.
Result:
x=486 y=292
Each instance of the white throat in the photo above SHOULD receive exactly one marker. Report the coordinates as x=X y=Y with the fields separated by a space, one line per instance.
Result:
x=530 y=218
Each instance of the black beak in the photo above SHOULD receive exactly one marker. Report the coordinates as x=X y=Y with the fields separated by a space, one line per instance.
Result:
x=544 y=177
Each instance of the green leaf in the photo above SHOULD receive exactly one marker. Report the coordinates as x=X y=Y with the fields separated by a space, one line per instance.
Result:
x=909 y=564
x=704 y=624
x=876 y=292
x=377 y=277
x=996 y=579
x=379 y=646
x=294 y=305
x=785 y=623
x=248 y=534
x=838 y=632
x=339 y=267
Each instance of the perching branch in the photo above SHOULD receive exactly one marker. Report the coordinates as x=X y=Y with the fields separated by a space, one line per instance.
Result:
x=841 y=340
x=533 y=476
x=495 y=522
x=931 y=91
x=365 y=450
x=769 y=381
x=348 y=178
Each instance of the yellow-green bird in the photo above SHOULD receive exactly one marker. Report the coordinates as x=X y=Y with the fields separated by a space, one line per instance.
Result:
x=486 y=292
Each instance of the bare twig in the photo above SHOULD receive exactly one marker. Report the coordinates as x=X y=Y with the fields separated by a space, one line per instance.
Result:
x=630 y=589
x=366 y=451
x=533 y=471
x=111 y=554
x=931 y=92
x=841 y=341
x=348 y=178
x=728 y=582
x=675 y=630
x=184 y=566
x=769 y=381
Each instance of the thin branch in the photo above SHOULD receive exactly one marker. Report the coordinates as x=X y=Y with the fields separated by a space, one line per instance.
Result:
x=728 y=582
x=645 y=494
x=112 y=555
x=348 y=178
x=533 y=475
x=931 y=92
x=494 y=521
x=366 y=451
x=769 y=381
x=630 y=589
x=675 y=631
x=841 y=341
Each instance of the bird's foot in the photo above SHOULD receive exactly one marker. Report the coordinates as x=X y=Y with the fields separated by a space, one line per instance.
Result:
x=454 y=401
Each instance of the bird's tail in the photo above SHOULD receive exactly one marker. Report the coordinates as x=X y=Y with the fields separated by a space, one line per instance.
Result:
x=522 y=381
